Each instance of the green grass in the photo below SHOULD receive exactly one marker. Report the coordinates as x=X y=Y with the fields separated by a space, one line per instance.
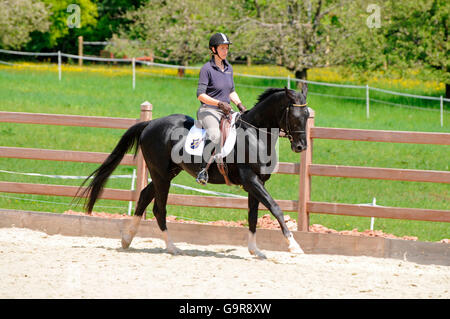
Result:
x=88 y=93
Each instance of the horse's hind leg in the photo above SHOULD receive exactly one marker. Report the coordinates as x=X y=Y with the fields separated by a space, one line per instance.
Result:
x=145 y=198
x=253 y=204
x=162 y=185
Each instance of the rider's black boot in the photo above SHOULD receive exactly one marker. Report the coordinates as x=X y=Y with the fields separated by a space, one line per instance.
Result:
x=207 y=158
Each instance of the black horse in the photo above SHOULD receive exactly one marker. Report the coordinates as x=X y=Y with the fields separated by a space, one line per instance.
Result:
x=276 y=109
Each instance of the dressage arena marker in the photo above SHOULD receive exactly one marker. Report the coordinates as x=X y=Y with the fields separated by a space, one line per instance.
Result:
x=305 y=169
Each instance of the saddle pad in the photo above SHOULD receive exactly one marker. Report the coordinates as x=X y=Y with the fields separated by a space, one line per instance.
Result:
x=195 y=141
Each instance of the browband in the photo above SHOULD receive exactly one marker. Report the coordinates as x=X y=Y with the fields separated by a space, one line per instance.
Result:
x=300 y=105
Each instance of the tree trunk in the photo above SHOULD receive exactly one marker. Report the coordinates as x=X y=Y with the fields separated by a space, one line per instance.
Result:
x=302 y=75
x=447 y=90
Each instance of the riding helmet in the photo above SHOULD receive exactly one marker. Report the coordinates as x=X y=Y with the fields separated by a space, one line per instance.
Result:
x=218 y=39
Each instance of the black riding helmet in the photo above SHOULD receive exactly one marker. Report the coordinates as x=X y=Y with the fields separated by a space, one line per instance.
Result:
x=218 y=39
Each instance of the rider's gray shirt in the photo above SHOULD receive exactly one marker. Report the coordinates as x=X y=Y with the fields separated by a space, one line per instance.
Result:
x=216 y=83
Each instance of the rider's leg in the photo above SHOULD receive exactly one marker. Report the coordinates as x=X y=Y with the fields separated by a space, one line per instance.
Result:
x=210 y=119
x=208 y=152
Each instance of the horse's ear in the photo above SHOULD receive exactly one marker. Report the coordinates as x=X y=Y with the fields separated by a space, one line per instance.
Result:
x=304 y=89
x=289 y=93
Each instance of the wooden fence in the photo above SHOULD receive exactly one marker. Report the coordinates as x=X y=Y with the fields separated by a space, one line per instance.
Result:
x=305 y=169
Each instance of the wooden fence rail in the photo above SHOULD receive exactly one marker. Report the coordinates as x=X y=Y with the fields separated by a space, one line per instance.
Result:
x=305 y=169
x=308 y=169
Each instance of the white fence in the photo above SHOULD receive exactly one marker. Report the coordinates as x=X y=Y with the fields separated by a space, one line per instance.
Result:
x=441 y=100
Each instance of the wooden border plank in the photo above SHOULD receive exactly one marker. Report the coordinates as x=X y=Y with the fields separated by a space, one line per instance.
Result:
x=60 y=155
x=381 y=136
x=380 y=173
x=67 y=120
x=61 y=190
x=380 y=212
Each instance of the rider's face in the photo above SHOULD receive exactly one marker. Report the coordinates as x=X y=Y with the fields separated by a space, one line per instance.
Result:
x=222 y=51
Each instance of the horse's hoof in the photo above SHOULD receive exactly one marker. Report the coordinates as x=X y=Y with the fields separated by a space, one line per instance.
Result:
x=173 y=250
x=125 y=243
x=296 y=250
x=258 y=254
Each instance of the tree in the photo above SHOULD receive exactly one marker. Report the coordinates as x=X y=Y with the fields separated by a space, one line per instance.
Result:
x=19 y=18
x=61 y=28
x=176 y=31
x=411 y=34
x=419 y=35
x=298 y=35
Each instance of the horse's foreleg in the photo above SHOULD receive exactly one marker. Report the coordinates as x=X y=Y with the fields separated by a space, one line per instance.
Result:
x=252 y=221
x=145 y=198
x=255 y=187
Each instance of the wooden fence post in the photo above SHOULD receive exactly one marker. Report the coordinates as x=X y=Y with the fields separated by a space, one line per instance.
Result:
x=80 y=50
x=141 y=167
x=305 y=178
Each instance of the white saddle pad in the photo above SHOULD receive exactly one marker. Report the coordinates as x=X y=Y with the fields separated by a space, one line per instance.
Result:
x=195 y=141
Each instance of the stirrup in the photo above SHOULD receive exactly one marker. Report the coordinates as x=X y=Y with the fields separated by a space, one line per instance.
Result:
x=202 y=177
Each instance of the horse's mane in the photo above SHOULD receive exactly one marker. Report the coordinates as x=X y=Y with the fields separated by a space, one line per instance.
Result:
x=268 y=93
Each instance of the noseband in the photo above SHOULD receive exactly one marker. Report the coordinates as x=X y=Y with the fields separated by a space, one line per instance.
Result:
x=287 y=130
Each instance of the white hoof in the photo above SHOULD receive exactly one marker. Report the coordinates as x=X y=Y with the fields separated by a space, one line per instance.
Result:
x=294 y=247
x=130 y=231
x=296 y=250
x=170 y=247
x=174 y=250
x=126 y=241
x=252 y=246
x=258 y=253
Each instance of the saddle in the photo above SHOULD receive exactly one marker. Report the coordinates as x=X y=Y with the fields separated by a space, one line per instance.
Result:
x=195 y=142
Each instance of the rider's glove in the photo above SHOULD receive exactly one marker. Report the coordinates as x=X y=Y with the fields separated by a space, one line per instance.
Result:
x=241 y=108
x=225 y=107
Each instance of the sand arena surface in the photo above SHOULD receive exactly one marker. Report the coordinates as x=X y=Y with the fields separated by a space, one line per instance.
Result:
x=36 y=265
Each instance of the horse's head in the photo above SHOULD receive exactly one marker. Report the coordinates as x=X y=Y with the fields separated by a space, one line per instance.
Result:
x=294 y=118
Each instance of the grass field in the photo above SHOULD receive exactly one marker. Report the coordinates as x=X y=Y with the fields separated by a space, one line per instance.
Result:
x=108 y=92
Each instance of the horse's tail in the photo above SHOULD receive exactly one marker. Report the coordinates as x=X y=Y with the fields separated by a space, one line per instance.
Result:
x=101 y=174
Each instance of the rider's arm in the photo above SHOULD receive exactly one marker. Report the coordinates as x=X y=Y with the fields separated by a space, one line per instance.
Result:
x=234 y=97
x=206 y=99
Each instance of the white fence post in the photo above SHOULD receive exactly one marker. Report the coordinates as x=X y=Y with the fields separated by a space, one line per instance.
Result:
x=288 y=81
x=130 y=203
x=442 y=112
x=367 y=102
x=59 y=65
x=134 y=72
x=372 y=219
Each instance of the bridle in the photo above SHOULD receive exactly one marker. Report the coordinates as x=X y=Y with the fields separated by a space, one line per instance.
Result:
x=287 y=131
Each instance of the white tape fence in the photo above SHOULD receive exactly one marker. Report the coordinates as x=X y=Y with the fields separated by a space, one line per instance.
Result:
x=130 y=204
x=368 y=99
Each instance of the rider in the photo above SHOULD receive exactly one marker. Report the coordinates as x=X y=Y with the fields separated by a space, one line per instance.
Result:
x=215 y=91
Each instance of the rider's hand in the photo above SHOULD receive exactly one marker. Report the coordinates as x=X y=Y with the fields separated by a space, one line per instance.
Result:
x=225 y=107
x=241 y=107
